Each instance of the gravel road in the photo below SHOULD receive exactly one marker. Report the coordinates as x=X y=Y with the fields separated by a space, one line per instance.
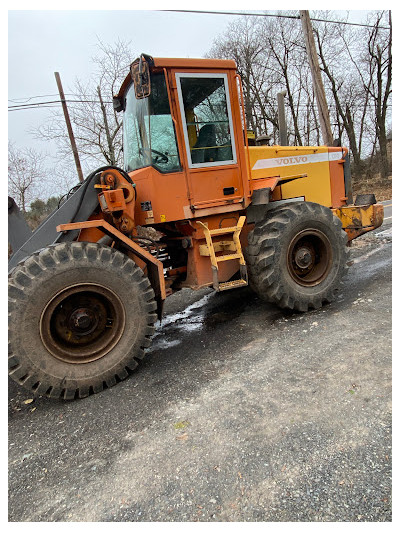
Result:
x=240 y=412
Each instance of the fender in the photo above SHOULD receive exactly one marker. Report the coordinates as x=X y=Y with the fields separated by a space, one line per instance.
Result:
x=154 y=266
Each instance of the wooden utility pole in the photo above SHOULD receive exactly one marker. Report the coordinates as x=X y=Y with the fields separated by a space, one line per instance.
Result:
x=69 y=127
x=319 y=90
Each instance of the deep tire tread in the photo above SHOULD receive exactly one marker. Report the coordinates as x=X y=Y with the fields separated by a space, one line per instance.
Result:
x=265 y=248
x=36 y=266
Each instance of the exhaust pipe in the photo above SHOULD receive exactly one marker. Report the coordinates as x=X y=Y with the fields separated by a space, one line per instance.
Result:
x=283 y=138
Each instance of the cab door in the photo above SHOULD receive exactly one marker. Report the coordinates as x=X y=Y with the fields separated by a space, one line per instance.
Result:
x=212 y=161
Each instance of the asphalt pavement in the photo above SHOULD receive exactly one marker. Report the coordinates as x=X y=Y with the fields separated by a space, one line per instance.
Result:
x=240 y=412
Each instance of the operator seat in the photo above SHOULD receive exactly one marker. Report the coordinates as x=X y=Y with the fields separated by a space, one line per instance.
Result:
x=205 y=149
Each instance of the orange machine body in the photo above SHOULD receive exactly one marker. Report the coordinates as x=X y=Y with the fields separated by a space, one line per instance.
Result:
x=217 y=193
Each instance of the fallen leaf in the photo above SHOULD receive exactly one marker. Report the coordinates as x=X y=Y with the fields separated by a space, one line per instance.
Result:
x=341 y=482
x=33 y=409
x=28 y=401
x=181 y=425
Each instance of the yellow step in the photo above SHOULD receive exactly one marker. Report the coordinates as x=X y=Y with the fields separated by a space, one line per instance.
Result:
x=226 y=285
x=228 y=257
x=222 y=231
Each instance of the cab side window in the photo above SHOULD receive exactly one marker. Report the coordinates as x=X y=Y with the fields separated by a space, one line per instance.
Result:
x=207 y=119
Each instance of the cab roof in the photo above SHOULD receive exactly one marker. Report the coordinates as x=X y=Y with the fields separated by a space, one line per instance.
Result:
x=184 y=63
x=194 y=63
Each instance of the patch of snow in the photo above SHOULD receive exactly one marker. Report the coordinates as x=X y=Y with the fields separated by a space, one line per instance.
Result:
x=185 y=314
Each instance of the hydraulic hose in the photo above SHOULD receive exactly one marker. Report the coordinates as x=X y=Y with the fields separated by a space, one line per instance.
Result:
x=88 y=180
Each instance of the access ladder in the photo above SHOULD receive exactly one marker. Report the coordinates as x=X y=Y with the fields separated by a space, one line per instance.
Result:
x=212 y=248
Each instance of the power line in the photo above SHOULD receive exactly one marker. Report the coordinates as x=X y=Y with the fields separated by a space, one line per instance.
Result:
x=296 y=17
x=33 y=107
x=35 y=104
x=52 y=103
x=28 y=98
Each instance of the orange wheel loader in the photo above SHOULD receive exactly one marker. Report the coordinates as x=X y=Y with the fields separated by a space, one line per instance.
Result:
x=194 y=206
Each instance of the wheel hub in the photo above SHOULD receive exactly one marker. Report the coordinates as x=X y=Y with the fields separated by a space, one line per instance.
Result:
x=82 y=320
x=82 y=323
x=309 y=257
x=303 y=257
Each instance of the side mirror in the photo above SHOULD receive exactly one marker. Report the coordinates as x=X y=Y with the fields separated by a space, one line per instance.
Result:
x=140 y=73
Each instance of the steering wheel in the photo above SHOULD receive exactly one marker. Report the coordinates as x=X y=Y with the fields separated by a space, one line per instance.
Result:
x=160 y=157
x=163 y=157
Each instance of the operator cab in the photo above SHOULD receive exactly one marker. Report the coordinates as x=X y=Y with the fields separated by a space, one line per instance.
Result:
x=182 y=118
x=148 y=127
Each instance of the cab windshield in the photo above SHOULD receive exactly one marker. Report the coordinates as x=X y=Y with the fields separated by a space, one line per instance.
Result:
x=148 y=129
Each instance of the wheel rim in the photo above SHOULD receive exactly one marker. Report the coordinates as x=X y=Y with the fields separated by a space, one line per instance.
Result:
x=82 y=323
x=309 y=257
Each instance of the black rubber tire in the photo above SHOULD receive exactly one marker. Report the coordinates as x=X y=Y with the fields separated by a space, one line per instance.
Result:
x=38 y=279
x=269 y=245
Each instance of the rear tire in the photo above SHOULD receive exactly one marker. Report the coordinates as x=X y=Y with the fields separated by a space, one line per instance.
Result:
x=297 y=256
x=80 y=317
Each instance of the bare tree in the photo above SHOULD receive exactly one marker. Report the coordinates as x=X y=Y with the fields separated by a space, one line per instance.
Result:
x=269 y=59
x=341 y=87
x=357 y=69
x=26 y=175
x=241 y=44
x=359 y=75
x=96 y=125
x=282 y=38
x=379 y=86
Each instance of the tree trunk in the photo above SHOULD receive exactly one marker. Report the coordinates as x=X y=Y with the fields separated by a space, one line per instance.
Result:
x=383 y=154
x=349 y=126
x=111 y=153
x=297 y=135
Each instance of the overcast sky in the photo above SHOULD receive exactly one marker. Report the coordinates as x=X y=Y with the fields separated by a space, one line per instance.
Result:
x=41 y=42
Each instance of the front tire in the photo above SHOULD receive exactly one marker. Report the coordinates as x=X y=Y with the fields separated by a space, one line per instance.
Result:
x=80 y=317
x=297 y=256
